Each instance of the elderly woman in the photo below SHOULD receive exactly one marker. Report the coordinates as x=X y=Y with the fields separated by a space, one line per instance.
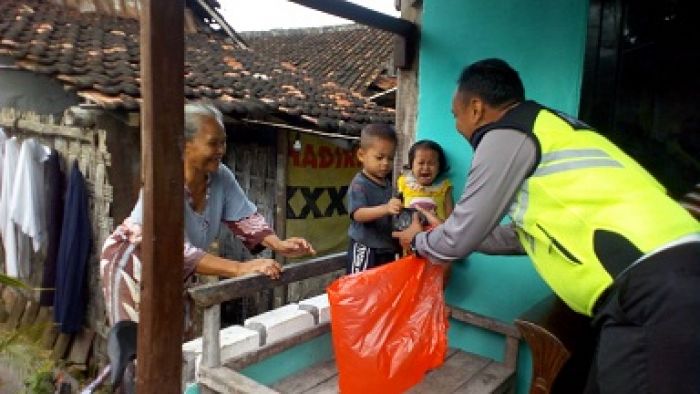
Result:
x=212 y=197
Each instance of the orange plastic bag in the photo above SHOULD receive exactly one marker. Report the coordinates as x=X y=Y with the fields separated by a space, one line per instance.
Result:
x=388 y=326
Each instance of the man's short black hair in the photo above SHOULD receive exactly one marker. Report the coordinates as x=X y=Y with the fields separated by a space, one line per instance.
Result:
x=494 y=81
x=377 y=130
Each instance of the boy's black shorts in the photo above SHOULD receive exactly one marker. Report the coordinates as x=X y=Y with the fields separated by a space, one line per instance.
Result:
x=361 y=257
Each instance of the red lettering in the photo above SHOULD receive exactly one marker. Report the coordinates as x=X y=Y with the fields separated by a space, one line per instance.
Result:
x=338 y=157
x=294 y=155
x=325 y=157
x=309 y=157
x=349 y=157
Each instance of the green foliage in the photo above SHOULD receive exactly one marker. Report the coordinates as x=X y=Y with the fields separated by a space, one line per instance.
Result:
x=12 y=282
x=40 y=382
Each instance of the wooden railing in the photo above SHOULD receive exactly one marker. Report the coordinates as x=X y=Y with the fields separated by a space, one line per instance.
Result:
x=210 y=296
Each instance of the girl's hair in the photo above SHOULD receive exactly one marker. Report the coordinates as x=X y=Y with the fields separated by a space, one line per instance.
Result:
x=432 y=145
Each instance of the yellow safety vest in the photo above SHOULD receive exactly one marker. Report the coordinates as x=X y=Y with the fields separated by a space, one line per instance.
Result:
x=583 y=192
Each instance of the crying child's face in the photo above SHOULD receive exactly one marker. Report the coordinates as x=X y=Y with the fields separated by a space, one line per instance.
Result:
x=425 y=166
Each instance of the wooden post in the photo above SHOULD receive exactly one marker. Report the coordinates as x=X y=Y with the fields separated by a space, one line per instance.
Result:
x=407 y=97
x=211 y=356
x=281 y=204
x=161 y=310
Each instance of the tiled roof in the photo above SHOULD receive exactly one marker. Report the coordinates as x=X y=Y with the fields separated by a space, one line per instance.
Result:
x=353 y=56
x=99 y=57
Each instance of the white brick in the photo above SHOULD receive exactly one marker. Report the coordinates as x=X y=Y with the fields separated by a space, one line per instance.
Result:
x=236 y=340
x=233 y=341
x=280 y=323
x=318 y=306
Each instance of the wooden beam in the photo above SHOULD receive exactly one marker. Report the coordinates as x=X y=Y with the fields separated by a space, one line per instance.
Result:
x=281 y=204
x=406 y=97
x=362 y=15
x=228 y=289
x=407 y=32
x=162 y=83
x=485 y=322
x=224 y=380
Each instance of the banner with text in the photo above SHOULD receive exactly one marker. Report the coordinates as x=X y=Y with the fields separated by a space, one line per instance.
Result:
x=318 y=176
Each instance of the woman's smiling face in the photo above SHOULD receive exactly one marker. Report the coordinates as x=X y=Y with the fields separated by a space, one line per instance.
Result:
x=207 y=148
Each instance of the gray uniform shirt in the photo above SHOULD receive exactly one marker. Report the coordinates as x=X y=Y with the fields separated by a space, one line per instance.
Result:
x=500 y=164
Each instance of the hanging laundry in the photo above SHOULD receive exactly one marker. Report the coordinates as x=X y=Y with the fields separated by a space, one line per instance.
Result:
x=28 y=204
x=55 y=188
x=73 y=253
x=15 y=243
x=3 y=138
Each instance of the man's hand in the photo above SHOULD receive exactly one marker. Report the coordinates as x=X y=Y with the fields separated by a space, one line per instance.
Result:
x=393 y=207
x=430 y=216
x=406 y=236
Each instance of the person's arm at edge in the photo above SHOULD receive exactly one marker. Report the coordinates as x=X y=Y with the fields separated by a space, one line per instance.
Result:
x=214 y=265
x=369 y=214
x=503 y=240
x=503 y=160
x=255 y=234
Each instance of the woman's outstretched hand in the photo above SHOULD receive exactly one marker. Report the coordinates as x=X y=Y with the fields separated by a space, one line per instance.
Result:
x=295 y=247
x=268 y=267
x=290 y=247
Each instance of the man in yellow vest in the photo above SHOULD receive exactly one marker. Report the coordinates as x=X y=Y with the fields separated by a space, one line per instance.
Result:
x=599 y=229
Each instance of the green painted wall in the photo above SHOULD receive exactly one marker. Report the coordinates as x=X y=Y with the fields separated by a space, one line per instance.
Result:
x=545 y=41
x=289 y=362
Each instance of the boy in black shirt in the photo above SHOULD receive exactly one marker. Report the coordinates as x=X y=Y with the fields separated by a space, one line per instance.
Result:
x=370 y=201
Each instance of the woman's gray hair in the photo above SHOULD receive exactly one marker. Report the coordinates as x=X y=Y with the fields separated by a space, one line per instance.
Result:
x=194 y=112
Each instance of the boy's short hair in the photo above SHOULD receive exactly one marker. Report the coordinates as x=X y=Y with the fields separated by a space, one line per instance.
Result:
x=493 y=80
x=377 y=130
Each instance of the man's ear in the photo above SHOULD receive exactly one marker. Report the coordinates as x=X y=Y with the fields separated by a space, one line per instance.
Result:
x=477 y=109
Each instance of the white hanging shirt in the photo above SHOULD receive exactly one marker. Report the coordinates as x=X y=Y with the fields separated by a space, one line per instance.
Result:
x=9 y=231
x=3 y=138
x=28 y=203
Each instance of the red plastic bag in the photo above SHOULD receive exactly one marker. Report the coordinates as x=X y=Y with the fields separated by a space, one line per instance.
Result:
x=388 y=326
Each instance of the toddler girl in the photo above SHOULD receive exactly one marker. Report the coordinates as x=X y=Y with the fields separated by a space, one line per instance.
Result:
x=426 y=162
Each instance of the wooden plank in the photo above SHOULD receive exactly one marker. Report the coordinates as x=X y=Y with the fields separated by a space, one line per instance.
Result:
x=162 y=84
x=308 y=378
x=16 y=310
x=43 y=321
x=30 y=313
x=228 y=289
x=61 y=346
x=82 y=343
x=224 y=380
x=494 y=378
x=49 y=336
x=510 y=358
x=457 y=370
x=330 y=386
x=271 y=349
x=484 y=322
